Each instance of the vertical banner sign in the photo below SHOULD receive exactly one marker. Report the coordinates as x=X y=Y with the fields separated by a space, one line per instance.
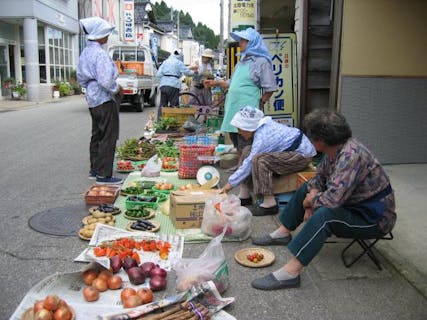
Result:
x=243 y=14
x=283 y=104
x=129 y=27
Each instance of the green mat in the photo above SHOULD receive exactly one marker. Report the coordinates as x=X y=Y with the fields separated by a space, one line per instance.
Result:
x=166 y=226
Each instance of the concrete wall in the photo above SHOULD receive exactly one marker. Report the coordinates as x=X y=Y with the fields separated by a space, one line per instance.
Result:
x=384 y=37
x=383 y=76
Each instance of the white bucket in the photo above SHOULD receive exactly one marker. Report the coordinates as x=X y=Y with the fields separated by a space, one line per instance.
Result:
x=56 y=94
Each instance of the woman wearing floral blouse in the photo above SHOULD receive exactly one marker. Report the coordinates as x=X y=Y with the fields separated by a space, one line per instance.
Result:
x=350 y=196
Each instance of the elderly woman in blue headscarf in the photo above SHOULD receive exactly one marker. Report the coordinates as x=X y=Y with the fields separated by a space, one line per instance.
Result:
x=251 y=84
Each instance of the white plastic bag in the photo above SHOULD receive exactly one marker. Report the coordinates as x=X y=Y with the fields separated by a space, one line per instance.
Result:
x=229 y=213
x=210 y=265
x=152 y=168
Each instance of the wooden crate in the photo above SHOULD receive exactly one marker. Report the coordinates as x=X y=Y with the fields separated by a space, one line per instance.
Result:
x=111 y=194
x=304 y=177
x=180 y=114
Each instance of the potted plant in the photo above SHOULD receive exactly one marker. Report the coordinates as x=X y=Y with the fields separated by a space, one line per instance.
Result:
x=8 y=82
x=18 y=90
x=55 y=89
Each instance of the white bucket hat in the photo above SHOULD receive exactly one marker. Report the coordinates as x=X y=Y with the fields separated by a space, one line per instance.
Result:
x=208 y=53
x=248 y=118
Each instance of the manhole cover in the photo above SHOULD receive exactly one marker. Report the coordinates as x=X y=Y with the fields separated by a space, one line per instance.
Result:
x=63 y=221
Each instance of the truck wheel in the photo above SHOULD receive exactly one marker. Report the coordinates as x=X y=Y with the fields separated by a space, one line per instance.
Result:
x=139 y=103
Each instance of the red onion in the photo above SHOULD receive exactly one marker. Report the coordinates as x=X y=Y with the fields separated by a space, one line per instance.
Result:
x=136 y=275
x=157 y=271
x=115 y=264
x=157 y=283
x=147 y=267
x=129 y=262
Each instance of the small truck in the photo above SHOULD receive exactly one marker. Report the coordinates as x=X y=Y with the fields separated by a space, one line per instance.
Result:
x=137 y=75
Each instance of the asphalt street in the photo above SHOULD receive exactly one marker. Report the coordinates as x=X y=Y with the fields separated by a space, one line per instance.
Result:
x=44 y=153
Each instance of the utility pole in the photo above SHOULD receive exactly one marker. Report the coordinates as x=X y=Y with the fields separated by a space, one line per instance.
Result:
x=221 y=34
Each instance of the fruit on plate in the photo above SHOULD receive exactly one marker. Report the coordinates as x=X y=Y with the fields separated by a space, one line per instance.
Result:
x=164 y=186
x=189 y=186
x=255 y=257
x=125 y=165
x=169 y=163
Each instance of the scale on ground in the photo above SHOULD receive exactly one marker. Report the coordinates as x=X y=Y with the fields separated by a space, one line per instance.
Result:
x=208 y=176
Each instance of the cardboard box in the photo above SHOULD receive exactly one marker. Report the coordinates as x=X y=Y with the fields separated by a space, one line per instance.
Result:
x=186 y=207
x=291 y=182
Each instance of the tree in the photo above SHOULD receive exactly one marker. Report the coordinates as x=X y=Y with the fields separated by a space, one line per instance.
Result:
x=201 y=32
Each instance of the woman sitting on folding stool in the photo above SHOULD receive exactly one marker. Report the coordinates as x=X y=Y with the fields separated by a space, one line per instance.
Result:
x=350 y=196
x=276 y=149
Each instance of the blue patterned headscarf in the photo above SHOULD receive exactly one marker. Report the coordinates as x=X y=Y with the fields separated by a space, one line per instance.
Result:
x=255 y=47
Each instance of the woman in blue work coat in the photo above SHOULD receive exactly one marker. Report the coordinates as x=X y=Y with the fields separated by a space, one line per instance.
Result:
x=251 y=84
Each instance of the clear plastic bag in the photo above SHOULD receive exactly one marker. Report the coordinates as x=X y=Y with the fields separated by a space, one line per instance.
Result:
x=152 y=168
x=210 y=265
x=220 y=213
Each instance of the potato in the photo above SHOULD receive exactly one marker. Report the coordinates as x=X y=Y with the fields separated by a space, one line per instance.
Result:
x=99 y=214
x=111 y=223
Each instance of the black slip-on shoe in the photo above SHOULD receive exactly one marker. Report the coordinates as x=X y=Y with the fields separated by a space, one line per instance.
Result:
x=261 y=211
x=269 y=282
x=267 y=240
x=245 y=201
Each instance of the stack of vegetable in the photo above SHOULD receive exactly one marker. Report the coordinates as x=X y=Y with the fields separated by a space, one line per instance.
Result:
x=133 y=149
x=166 y=124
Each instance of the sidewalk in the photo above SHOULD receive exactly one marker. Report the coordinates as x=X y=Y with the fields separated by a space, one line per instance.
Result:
x=18 y=104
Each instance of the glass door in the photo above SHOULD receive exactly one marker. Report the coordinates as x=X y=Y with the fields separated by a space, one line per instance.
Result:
x=4 y=54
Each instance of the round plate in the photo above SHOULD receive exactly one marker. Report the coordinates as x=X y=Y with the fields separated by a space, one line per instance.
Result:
x=240 y=257
x=207 y=173
x=84 y=220
x=151 y=215
x=83 y=237
x=157 y=228
x=29 y=314
x=116 y=211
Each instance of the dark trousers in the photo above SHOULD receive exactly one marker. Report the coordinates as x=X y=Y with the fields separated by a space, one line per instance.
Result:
x=169 y=96
x=105 y=132
x=324 y=222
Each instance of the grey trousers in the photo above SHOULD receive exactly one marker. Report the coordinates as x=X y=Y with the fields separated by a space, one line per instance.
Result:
x=265 y=165
x=105 y=132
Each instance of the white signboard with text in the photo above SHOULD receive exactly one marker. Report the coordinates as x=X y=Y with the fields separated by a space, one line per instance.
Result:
x=128 y=20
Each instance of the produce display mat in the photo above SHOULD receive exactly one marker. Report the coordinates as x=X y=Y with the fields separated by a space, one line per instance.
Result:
x=194 y=235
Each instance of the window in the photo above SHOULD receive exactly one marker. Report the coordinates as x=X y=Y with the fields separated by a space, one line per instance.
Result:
x=60 y=51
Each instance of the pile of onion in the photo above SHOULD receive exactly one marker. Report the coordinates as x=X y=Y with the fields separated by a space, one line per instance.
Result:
x=52 y=307
x=132 y=298
x=99 y=282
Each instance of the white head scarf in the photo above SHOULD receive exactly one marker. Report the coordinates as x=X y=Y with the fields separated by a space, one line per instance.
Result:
x=248 y=118
x=96 y=28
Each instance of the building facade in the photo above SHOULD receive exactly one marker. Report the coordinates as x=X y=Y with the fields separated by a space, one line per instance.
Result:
x=38 y=43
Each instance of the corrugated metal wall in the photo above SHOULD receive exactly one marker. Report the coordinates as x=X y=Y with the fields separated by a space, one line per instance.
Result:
x=389 y=115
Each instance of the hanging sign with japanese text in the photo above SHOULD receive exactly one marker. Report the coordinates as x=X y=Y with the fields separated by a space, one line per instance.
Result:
x=128 y=20
x=283 y=104
x=243 y=14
